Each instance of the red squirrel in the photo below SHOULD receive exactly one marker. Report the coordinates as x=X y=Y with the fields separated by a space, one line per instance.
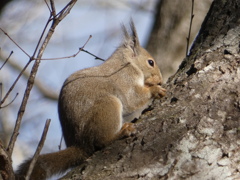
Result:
x=97 y=104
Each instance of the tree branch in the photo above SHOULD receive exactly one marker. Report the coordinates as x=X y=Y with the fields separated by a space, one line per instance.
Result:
x=15 y=42
x=190 y=27
x=6 y=60
x=38 y=150
x=55 y=22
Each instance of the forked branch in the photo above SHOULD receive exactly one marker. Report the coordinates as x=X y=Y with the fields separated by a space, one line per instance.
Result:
x=55 y=21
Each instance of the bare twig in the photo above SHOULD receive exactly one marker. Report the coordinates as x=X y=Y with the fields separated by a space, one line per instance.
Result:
x=60 y=144
x=6 y=59
x=108 y=75
x=53 y=8
x=44 y=89
x=71 y=56
x=9 y=103
x=47 y=5
x=15 y=82
x=38 y=150
x=30 y=58
x=96 y=57
x=15 y=43
x=55 y=21
x=65 y=11
x=39 y=85
x=190 y=27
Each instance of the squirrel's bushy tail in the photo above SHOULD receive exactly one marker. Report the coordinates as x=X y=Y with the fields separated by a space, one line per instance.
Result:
x=52 y=163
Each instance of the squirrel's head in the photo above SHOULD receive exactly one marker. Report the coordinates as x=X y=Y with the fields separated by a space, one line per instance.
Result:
x=138 y=56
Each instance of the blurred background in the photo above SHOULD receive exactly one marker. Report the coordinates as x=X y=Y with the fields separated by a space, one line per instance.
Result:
x=162 y=28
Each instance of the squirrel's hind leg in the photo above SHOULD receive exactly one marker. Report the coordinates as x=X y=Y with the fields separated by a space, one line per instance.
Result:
x=108 y=121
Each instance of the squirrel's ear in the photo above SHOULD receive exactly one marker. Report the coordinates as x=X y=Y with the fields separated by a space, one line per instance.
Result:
x=131 y=41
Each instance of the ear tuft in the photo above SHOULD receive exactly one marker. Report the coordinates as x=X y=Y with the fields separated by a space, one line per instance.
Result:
x=126 y=35
x=131 y=40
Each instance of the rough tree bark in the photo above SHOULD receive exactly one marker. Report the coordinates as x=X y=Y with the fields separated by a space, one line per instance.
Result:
x=193 y=133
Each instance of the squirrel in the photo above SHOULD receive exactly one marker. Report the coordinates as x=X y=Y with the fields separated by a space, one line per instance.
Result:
x=96 y=105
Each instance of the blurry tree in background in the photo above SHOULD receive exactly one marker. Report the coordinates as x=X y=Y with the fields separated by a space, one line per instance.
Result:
x=168 y=39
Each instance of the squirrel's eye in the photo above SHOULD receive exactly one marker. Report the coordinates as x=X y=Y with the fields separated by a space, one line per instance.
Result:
x=151 y=62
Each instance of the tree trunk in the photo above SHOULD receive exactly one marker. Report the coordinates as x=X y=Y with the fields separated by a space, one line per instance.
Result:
x=193 y=133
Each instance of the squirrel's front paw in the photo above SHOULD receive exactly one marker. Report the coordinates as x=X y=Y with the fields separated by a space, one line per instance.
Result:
x=157 y=91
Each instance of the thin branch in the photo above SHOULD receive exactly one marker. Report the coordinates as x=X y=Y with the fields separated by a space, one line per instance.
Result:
x=47 y=6
x=15 y=43
x=34 y=70
x=44 y=89
x=96 y=57
x=190 y=28
x=60 y=144
x=38 y=150
x=41 y=37
x=25 y=67
x=30 y=58
x=108 y=75
x=65 y=11
x=6 y=59
x=71 y=56
x=10 y=102
x=15 y=82
x=53 y=8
